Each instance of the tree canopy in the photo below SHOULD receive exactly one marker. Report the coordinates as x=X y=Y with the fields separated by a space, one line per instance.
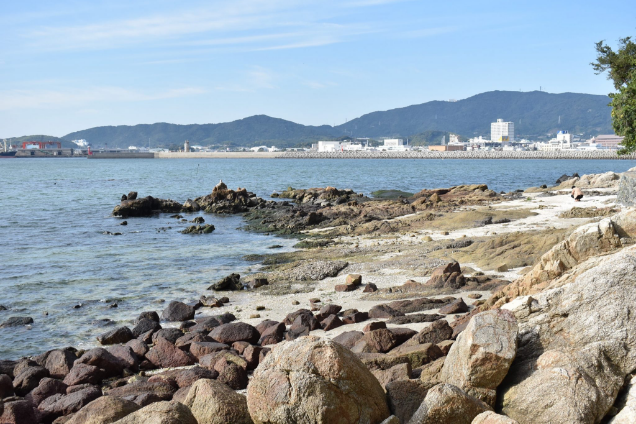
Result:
x=621 y=67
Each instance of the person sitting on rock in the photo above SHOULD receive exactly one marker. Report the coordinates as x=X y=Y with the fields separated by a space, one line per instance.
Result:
x=577 y=194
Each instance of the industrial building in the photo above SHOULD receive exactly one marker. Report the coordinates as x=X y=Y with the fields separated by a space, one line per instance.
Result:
x=501 y=131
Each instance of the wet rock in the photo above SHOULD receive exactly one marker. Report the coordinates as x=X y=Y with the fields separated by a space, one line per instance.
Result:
x=144 y=325
x=405 y=397
x=118 y=335
x=145 y=206
x=457 y=307
x=178 y=311
x=384 y=311
x=161 y=412
x=328 y=383
x=235 y=332
x=199 y=229
x=212 y=402
x=480 y=358
x=447 y=404
x=105 y=409
x=165 y=355
x=231 y=282
x=169 y=334
x=192 y=206
x=435 y=333
x=16 y=322
x=84 y=374
x=28 y=379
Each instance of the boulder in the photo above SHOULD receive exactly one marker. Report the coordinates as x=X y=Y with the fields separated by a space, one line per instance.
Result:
x=59 y=362
x=144 y=325
x=447 y=404
x=372 y=326
x=169 y=334
x=331 y=322
x=84 y=374
x=405 y=396
x=396 y=372
x=456 y=307
x=165 y=355
x=118 y=335
x=145 y=206
x=102 y=358
x=490 y=417
x=353 y=280
x=480 y=358
x=576 y=345
x=370 y=288
x=140 y=391
x=47 y=388
x=231 y=282
x=126 y=354
x=435 y=333
x=626 y=404
x=384 y=311
x=402 y=334
x=314 y=381
x=330 y=309
x=430 y=372
x=199 y=349
x=140 y=348
x=355 y=317
x=273 y=334
x=16 y=322
x=160 y=413
x=231 y=373
x=417 y=355
x=6 y=386
x=212 y=402
x=58 y=404
x=178 y=311
x=376 y=341
x=235 y=332
x=104 y=410
x=151 y=315
x=18 y=412
x=252 y=356
x=28 y=379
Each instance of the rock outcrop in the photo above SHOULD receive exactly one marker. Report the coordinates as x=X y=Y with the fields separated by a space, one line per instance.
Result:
x=212 y=402
x=577 y=344
x=314 y=381
x=447 y=404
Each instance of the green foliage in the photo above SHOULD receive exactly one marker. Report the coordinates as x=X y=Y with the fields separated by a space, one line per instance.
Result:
x=621 y=68
x=534 y=114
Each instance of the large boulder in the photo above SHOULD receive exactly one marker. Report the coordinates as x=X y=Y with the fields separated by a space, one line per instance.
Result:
x=235 y=332
x=18 y=412
x=102 y=358
x=406 y=396
x=178 y=311
x=145 y=206
x=104 y=410
x=212 y=402
x=116 y=336
x=58 y=405
x=435 y=333
x=490 y=417
x=480 y=358
x=314 y=381
x=165 y=355
x=171 y=412
x=577 y=344
x=447 y=404
x=627 y=405
x=29 y=379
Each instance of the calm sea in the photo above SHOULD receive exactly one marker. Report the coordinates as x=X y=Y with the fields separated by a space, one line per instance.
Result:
x=54 y=254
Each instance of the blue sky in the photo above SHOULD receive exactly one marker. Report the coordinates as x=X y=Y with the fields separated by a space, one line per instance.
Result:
x=70 y=65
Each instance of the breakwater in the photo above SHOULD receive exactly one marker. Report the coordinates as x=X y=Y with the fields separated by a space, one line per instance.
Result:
x=478 y=154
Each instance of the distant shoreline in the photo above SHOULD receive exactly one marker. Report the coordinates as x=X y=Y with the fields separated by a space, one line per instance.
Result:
x=575 y=155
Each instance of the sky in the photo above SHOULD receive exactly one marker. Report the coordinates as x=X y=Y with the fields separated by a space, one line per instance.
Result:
x=69 y=65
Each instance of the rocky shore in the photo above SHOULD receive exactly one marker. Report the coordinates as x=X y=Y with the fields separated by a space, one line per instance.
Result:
x=455 y=305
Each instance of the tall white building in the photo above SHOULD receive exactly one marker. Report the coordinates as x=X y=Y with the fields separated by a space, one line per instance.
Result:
x=501 y=131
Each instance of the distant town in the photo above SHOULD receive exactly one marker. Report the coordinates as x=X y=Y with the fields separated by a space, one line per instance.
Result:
x=502 y=139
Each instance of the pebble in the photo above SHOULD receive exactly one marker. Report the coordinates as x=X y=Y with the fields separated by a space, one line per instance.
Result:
x=260 y=308
x=255 y=316
x=295 y=302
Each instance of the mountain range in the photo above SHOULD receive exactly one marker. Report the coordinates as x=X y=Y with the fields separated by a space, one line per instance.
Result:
x=535 y=114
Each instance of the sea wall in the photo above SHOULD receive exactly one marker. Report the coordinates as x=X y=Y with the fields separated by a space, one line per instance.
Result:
x=121 y=155
x=215 y=155
x=480 y=154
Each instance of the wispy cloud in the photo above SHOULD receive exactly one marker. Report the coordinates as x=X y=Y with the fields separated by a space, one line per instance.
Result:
x=30 y=99
x=252 y=80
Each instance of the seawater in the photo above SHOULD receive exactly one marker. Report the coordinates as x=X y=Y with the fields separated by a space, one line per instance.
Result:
x=54 y=254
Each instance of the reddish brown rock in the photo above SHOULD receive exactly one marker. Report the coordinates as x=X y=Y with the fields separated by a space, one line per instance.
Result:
x=349 y=338
x=235 y=332
x=418 y=355
x=375 y=325
x=344 y=288
x=140 y=348
x=6 y=386
x=264 y=325
x=435 y=333
x=184 y=341
x=231 y=374
x=330 y=309
x=240 y=346
x=402 y=334
x=59 y=362
x=101 y=358
x=252 y=355
x=141 y=392
x=28 y=379
x=58 y=405
x=355 y=317
x=178 y=311
x=127 y=355
x=396 y=372
x=18 y=412
x=376 y=341
x=199 y=349
x=370 y=288
x=331 y=322
x=84 y=374
x=165 y=355
x=47 y=388
x=118 y=335
x=384 y=311
x=457 y=307
x=273 y=334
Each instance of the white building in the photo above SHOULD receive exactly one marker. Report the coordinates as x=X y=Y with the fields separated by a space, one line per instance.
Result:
x=563 y=141
x=501 y=131
x=329 y=146
x=395 y=144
